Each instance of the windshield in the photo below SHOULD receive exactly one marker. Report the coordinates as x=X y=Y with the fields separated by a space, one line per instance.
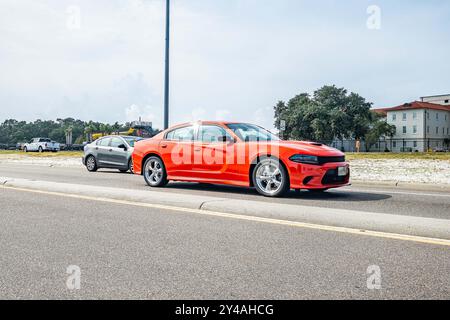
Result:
x=131 y=140
x=248 y=132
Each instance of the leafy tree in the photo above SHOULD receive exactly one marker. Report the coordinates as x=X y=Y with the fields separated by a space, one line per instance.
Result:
x=378 y=129
x=330 y=113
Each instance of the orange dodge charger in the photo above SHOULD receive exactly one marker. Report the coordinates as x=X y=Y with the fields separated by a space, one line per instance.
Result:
x=238 y=154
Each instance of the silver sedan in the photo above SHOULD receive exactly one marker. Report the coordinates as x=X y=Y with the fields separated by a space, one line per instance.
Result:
x=113 y=152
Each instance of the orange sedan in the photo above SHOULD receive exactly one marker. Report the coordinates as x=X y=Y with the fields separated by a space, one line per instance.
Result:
x=238 y=154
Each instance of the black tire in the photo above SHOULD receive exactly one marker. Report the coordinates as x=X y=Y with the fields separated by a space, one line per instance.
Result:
x=91 y=166
x=272 y=179
x=130 y=166
x=25 y=149
x=40 y=150
x=154 y=172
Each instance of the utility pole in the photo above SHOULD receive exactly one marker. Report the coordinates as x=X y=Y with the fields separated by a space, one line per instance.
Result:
x=166 y=84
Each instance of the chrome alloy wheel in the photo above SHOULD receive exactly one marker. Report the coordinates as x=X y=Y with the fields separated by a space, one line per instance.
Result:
x=269 y=177
x=153 y=171
x=90 y=163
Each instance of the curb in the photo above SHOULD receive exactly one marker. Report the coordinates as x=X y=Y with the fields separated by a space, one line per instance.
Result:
x=402 y=185
x=400 y=224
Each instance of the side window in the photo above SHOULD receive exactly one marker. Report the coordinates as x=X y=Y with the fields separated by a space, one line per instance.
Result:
x=212 y=134
x=181 y=134
x=116 y=142
x=104 y=142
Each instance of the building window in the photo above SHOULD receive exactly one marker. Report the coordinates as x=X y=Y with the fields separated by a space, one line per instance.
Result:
x=415 y=129
x=447 y=131
x=404 y=116
x=446 y=101
x=394 y=117
x=404 y=144
x=428 y=115
x=394 y=144
x=415 y=115
x=415 y=144
x=437 y=116
x=428 y=129
x=437 y=130
x=404 y=129
x=443 y=131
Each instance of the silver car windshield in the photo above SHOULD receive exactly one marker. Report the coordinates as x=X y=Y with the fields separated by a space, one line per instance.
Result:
x=132 y=140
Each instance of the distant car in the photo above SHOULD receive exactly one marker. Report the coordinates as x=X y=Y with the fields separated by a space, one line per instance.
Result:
x=239 y=154
x=113 y=152
x=41 y=145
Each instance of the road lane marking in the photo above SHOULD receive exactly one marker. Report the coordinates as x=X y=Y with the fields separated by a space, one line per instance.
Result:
x=297 y=224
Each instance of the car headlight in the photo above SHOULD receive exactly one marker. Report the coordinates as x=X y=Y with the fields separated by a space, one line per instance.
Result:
x=303 y=158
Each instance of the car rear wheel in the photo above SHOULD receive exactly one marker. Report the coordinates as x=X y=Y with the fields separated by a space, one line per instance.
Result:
x=270 y=178
x=155 y=172
x=40 y=150
x=25 y=149
x=91 y=164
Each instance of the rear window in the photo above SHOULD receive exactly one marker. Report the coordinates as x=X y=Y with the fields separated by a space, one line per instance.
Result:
x=103 y=142
x=181 y=134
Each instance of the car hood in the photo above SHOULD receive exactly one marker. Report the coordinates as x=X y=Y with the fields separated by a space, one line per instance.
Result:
x=312 y=148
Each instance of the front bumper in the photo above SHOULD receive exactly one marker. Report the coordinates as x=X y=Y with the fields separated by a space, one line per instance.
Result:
x=305 y=176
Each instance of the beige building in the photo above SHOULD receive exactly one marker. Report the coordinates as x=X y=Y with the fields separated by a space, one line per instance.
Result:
x=421 y=125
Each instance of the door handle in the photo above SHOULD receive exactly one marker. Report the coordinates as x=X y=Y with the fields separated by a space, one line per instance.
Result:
x=164 y=146
x=197 y=149
x=110 y=150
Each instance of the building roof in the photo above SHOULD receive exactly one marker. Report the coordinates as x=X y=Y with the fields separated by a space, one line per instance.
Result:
x=415 y=105
x=436 y=96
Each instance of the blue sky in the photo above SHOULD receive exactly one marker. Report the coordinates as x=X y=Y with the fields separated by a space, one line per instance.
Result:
x=231 y=60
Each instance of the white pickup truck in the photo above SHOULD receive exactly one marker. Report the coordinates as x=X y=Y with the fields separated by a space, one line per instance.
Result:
x=41 y=145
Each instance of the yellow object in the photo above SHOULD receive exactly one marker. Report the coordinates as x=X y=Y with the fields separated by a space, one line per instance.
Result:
x=96 y=136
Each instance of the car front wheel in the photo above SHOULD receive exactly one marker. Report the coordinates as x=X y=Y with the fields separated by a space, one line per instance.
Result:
x=155 y=172
x=270 y=178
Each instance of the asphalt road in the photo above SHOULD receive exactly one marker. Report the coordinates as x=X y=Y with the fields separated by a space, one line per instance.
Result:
x=372 y=199
x=128 y=252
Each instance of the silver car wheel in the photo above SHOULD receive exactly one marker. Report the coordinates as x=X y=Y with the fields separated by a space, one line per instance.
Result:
x=90 y=163
x=269 y=177
x=153 y=171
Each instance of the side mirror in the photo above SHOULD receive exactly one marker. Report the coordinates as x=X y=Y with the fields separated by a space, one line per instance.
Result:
x=122 y=146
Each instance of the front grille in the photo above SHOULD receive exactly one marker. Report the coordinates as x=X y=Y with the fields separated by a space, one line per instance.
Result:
x=331 y=177
x=323 y=160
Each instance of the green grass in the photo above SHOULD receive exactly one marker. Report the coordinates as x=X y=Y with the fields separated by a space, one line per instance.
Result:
x=389 y=155
x=44 y=154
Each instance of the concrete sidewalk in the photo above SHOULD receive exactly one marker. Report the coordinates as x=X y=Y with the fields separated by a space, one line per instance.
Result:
x=401 y=224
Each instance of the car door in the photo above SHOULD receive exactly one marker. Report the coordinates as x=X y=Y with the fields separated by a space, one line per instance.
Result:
x=102 y=149
x=213 y=151
x=176 y=151
x=117 y=154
